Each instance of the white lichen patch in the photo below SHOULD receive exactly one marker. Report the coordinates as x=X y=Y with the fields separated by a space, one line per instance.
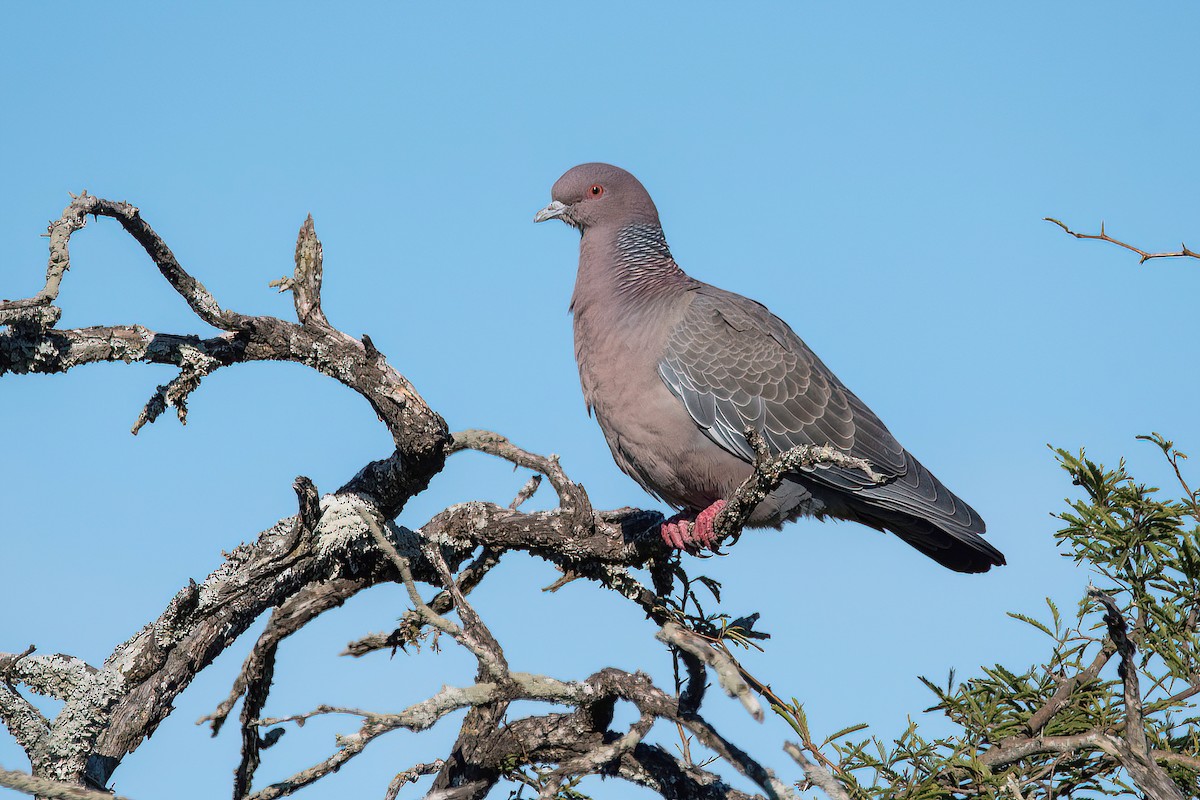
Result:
x=214 y=586
x=341 y=523
x=44 y=352
x=80 y=723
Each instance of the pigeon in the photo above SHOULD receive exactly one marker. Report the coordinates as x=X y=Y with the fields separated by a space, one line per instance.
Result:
x=676 y=370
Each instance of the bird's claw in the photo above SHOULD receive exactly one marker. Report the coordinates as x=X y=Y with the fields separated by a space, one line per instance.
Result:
x=692 y=532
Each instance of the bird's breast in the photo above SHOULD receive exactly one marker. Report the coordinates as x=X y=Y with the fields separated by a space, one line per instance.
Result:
x=648 y=430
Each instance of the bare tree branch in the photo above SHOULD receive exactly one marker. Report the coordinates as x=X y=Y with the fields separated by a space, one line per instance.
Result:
x=1183 y=252
x=26 y=724
x=305 y=285
x=411 y=775
x=412 y=622
x=193 y=366
x=729 y=672
x=527 y=491
x=817 y=773
x=598 y=758
x=343 y=543
x=55 y=675
x=1062 y=695
x=571 y=497
x=47 y=788
x=1016 y=748
x=113 y=709
x=1134 y=748
x=254 y=680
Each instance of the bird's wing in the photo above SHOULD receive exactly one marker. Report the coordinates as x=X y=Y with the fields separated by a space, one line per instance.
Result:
x=733 y=364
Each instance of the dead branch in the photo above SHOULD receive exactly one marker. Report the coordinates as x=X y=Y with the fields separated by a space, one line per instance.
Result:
x=411 y=775
x=817 y=773
x=339 y=545
x=47 y=788
x=1058 y=701
x=1134 y=748
x=571 y=497
x=729 y=671
x=412 y=622
x=305 y=284
x=1145 y=256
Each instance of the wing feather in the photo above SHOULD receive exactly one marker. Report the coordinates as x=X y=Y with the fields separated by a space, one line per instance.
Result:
x=734 y=364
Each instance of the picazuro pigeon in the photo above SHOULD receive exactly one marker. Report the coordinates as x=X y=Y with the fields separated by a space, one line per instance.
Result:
x=676 y=370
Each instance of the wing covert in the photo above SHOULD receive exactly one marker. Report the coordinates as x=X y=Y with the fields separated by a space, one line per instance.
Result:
x=733 y=364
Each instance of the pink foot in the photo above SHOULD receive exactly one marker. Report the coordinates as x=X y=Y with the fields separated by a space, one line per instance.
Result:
x=703 y=532
x=682 y=533
x=675 y=531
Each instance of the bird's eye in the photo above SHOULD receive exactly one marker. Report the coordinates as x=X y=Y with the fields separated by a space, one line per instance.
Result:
x=596 y=190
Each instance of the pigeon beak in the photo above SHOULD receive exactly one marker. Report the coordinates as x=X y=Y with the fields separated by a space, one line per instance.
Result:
x=552 y=211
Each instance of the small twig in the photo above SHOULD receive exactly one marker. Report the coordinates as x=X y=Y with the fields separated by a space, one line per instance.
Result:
x=475 y=634
x=1062 y=695
x=193 y=366
x=308 y=516
x=305 y=285
x=597 y=759
x=571 y=496
x=319 y=711
x=372 y=642
x=401 y=563
x=817 y=773
x=473 y=637
x=567 y=576
x=1184 y=252
x=729 y=672
x=1173 y=457
x=1172 y=700
x=527 y=491
x=8 y=662
x=411 y=622
x=350 y=747
x=411 y=775
x=779 y=707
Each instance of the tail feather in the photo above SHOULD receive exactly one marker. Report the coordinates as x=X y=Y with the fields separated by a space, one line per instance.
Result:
x=919 y=509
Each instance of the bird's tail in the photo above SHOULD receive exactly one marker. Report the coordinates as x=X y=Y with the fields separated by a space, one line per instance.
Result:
x=919 y=509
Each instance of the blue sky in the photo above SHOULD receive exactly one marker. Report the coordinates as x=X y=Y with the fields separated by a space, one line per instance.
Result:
x=877 y=174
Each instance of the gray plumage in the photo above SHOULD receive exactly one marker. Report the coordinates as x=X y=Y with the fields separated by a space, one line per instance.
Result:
x=675 y=369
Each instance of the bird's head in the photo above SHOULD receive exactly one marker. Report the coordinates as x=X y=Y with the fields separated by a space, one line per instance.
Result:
x=595 y=195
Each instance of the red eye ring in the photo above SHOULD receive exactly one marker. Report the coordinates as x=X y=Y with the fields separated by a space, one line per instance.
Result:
x=597 y=190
